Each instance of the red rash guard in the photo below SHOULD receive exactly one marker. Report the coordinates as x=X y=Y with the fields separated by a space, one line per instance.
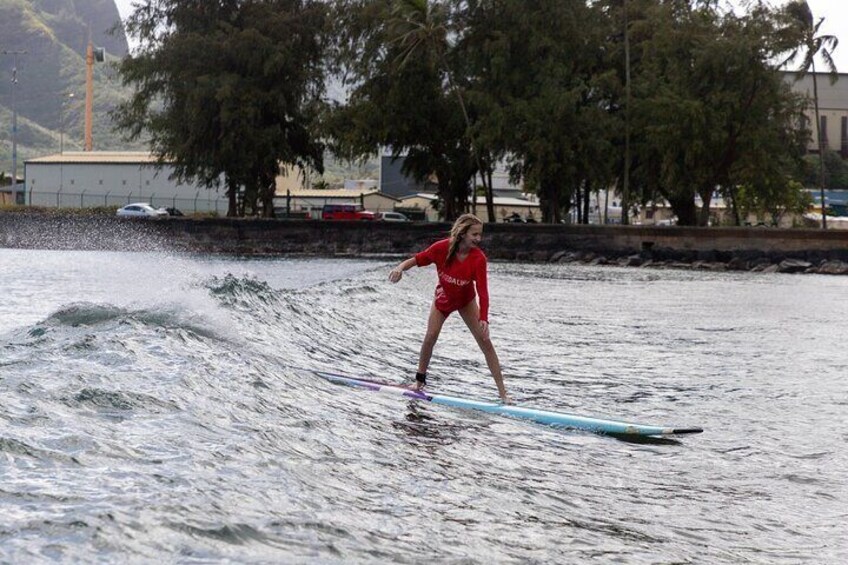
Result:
x=455 y=289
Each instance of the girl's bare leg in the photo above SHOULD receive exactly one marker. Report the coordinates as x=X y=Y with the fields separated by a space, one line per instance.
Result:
x=471 y=316
x=434 y=328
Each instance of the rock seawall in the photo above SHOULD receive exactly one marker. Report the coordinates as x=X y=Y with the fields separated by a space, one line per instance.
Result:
x=715 y=249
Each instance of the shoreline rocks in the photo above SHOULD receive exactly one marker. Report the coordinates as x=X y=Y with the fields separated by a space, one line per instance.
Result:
x=761 y=264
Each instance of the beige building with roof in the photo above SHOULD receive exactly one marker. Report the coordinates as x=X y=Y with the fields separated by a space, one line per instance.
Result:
x=506 y=207
x=86 y=179
x=309 y=203
x=833 y=109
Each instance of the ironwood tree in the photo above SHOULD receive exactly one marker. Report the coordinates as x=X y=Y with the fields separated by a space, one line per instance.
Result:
x=540 y=80
x=228 y=91
x=710 y=110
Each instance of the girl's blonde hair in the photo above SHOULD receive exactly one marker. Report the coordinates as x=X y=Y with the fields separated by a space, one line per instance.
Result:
x=458 y=231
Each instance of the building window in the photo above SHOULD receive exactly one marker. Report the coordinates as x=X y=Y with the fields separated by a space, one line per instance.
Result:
x=100 y=182
x=844 y=147
x=124 y=182
x=72 y=181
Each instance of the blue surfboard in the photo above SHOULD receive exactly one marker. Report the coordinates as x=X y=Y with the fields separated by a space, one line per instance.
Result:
x=547 y=417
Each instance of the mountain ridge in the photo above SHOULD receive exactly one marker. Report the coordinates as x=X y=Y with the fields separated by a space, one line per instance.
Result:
x=53 y=34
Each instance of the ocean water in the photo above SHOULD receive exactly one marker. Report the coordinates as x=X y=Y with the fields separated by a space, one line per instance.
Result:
x=158 y=407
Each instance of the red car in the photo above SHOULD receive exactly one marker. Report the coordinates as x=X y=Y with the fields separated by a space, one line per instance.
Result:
x=346 y=212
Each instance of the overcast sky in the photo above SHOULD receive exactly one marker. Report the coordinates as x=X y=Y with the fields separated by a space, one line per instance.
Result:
x=835 y=13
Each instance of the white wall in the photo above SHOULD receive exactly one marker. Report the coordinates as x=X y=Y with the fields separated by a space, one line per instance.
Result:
x=833 y=104
x=84 y=185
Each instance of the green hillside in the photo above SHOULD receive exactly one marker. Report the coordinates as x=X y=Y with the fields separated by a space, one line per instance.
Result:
x=54 y=34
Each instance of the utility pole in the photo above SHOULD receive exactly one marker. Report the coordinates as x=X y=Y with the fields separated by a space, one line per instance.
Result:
x=14 y=118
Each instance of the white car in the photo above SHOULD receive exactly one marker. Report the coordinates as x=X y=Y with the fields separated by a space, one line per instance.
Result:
x=393 y=217
x=140 y=210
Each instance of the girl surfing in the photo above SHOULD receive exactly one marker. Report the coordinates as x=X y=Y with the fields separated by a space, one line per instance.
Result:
x=461 y=267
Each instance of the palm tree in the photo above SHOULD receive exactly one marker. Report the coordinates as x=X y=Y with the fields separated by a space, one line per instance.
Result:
x=421 y=28
x=811 y=44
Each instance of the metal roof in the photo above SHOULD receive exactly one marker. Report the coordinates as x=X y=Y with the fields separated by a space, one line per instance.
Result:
x=481 y=200
x=98 y=157
x=339 y=193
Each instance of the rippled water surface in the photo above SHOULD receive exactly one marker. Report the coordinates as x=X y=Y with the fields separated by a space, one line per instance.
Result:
x=152 y=409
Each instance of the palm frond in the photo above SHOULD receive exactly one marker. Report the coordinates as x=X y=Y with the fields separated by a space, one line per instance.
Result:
x=800 y=12
x=827 y=56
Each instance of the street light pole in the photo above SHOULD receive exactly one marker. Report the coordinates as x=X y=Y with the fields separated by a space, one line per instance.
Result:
x=14 y=118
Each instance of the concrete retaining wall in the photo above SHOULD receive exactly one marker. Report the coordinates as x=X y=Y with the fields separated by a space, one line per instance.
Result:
x=528 y=242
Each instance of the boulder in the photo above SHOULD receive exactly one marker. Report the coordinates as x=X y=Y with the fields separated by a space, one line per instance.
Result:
x=793 y=266
x=834 y=268
x=738 y=264
x=633 y=261
x=567 y=257
x=557 y=257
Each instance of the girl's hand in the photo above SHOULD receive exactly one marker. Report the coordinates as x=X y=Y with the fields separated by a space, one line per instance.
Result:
x=484 y=327
x=395 y=275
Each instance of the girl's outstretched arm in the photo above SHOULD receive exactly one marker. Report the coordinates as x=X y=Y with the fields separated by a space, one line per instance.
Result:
x=397 y=273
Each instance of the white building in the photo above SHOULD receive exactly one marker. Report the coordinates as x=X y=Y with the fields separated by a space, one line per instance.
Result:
x=103 y=178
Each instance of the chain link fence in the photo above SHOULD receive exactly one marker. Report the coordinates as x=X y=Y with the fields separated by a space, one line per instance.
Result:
x=201 y=202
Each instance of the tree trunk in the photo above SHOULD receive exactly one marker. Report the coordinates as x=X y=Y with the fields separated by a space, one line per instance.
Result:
x=737 y=220
x=550 y=202
x=575 y=196
x=232 y=202
x=474 y=153
x=704 y=213
x=685 y=210
x=448 y=210
x=821 y=147
x=474 y=193
x=269 y=189
x=490 y=197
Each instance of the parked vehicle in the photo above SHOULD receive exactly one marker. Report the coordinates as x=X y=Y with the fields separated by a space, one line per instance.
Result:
x=172 y=211
x=140 y=210
x=392 y=217
x=346 y=212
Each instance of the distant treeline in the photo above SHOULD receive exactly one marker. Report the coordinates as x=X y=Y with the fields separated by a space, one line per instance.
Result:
x=669 y=100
